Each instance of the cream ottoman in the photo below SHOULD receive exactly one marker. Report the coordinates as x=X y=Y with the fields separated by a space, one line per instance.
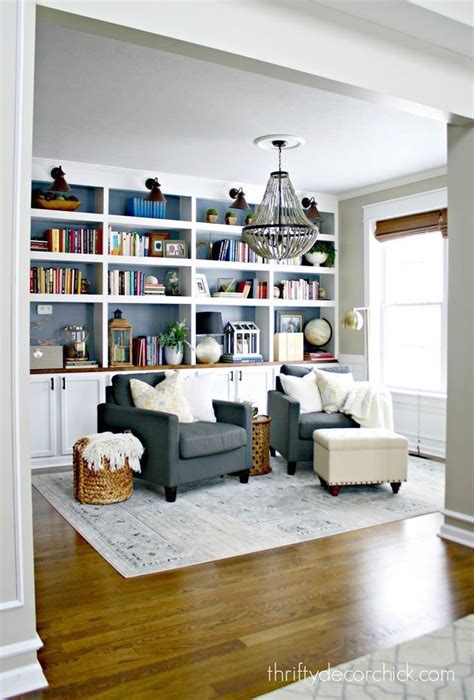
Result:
x=359 y=456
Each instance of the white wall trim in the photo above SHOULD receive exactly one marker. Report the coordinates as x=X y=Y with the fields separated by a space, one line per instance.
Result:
x=389 y=184
x=356 y=363
x=456 y=534
x=456 y=515
x=21 y=647
x=22 y=680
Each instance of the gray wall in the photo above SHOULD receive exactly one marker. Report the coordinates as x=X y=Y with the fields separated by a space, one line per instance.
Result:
x=351 y=251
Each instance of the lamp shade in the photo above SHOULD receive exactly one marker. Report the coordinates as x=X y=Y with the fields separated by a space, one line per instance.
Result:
x=239 y=196
x=352 y=320
x=59 y=184
x=209 y=323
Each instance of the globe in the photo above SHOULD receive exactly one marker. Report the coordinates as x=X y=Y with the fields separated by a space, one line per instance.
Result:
x=318 y=332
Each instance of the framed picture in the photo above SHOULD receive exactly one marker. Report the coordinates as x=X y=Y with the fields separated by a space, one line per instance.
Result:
x=176 y=249
x=289 y=322
x=156 y=241
x=202 y=287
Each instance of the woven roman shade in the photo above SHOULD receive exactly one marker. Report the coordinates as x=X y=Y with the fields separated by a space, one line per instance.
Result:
x=424 y=222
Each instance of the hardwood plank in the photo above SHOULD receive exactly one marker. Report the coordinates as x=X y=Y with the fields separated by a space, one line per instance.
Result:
x=212 y=630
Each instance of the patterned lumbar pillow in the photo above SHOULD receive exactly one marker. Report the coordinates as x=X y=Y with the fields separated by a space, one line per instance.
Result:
x=334 y=388
x=304 y=390
x=167 y=396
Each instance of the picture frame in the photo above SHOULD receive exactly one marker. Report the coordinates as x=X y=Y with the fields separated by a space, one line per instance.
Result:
x=289 y=322
x=175 y=249
x=156 y=244
x=202 y=286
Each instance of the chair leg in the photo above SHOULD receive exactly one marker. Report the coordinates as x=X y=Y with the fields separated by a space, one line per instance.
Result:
x=272 y=451
x=170 y=493
x=323 y=482
x=244 y=476
x=395 y=486
x=291 y=468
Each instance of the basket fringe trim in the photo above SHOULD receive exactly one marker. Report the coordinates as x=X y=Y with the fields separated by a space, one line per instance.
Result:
x=115 y=448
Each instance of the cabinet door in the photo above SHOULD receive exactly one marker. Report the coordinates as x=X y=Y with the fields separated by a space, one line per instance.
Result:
x=80 y=396
x=224 y=383
x=253 y=384
x=43 y=415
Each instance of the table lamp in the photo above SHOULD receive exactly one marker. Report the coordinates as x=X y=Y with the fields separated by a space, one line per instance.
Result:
x=208 y=323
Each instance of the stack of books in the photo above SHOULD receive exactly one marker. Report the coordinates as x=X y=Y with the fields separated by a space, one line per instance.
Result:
x=248 y=357
x=55 y=280
x=303 y=289
x=78 y=364
x=69 y=240
x=149 y=288
x=147 y=351
x=319 y=356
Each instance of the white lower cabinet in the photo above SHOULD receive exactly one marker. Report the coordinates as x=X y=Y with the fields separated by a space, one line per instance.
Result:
x=63 y=408
x=246 y=384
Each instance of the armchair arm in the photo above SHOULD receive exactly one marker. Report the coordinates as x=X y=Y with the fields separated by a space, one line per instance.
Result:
x=237 y=414
x=284 y=428
x=157 y=431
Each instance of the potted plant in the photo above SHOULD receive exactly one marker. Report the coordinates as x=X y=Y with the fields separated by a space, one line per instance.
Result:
x=230 y=218
x=250 y=218
x=321 y=252
x=173 y=341
x=211 y=216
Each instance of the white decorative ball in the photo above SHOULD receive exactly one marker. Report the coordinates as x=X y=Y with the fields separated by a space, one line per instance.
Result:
x=151 y=279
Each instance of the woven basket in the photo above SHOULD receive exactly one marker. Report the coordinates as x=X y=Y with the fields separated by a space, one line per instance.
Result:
x=99 y=487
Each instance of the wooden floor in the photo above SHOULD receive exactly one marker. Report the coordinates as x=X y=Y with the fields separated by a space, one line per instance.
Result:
x=213 y=630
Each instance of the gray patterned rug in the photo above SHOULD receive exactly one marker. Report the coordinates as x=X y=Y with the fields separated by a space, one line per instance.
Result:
x=221 y=518
x=437 y=666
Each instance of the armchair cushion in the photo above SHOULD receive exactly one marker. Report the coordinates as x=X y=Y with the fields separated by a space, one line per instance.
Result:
x=201 y=439
x=309 y=422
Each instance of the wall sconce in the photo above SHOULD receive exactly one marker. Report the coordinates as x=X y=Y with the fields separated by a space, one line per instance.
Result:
x=59 y=184
x=156 y=195
x=311 y=209
x=239 y=196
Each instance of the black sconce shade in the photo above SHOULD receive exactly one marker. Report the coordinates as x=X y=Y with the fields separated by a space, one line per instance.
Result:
x=156 y=195
x=59 y=184
x=239 y=196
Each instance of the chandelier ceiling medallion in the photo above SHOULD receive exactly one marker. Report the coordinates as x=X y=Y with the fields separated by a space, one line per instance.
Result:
x=280 y=228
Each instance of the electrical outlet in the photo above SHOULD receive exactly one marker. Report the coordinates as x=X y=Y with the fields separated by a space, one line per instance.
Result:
x=44 y=309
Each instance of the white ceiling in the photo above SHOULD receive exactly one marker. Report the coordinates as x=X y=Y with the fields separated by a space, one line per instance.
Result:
x=104 y=101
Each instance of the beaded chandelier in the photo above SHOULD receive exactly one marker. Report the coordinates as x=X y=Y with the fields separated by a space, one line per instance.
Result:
x=280 y=228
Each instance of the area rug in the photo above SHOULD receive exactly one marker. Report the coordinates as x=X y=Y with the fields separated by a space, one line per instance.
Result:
x=221 y=518
x=438 y=666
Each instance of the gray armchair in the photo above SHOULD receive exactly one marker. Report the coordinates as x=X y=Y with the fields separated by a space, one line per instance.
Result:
x=178 y=453
x=291 y=433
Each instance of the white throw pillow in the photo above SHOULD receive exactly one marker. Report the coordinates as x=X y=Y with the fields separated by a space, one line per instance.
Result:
x=198 y=390
x=334 y=388
x=304 y=390
x=167 y=396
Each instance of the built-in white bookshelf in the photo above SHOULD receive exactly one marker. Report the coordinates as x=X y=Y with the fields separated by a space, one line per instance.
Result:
x=103 y=192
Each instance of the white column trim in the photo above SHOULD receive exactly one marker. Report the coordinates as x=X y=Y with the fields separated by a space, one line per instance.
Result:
x=456 y=534
x=456 y=515
x=22 y=680
x=22 y=647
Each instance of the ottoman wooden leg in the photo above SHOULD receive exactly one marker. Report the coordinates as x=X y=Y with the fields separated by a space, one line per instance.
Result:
x=170 y=493
x=395 y=486
x=291 y=468
x=334 y=489
x=272 y=451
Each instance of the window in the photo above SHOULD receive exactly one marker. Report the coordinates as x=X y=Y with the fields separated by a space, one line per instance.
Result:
x=413 y=312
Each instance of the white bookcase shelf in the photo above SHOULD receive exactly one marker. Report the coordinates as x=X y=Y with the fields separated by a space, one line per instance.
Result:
x=104 y=191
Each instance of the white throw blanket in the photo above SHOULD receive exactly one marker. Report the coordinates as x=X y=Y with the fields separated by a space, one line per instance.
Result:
x=370 y=405
x=116 y=447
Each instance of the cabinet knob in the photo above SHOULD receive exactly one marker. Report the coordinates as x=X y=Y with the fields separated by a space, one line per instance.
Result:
x=232 y=376
x=240 y=375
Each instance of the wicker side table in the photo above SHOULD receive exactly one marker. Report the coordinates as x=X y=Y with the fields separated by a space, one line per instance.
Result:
x=260 y=446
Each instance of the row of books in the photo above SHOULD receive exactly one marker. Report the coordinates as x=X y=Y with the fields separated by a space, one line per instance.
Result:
x=147 y=351
x=126 y=243
x=127 y=282
x=234 y=251
x=55 y=280
x=299 y=289
x=69 y=240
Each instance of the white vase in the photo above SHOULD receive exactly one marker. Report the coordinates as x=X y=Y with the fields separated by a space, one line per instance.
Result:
x=208 y=351
x=173 y=355
x=316 y=258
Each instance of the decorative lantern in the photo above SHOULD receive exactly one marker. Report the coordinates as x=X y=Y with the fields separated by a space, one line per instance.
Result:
x=77 y=337
x=242 y=340
x=120 y=341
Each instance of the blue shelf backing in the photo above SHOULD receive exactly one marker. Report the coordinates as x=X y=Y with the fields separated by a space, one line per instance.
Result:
x=90 y=197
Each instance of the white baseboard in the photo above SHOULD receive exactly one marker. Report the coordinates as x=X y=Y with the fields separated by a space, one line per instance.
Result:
x=23 y=679
x=457 y=534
